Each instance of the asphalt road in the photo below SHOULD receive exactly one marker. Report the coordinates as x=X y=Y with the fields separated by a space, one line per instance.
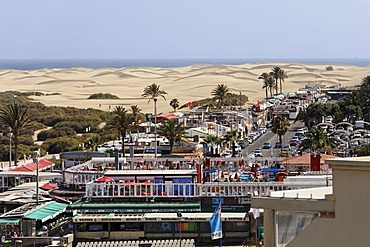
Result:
x=269 y=136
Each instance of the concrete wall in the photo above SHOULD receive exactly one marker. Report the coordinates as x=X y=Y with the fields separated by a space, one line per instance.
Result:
x=350 y=227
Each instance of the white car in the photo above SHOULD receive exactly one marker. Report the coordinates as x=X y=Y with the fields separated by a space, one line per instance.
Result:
x=257 y=152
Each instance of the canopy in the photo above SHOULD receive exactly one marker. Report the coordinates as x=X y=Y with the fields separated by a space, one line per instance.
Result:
x=31 y=167
x=9 y=221
x=47 y=212
x=105 y=179
x=49 y=186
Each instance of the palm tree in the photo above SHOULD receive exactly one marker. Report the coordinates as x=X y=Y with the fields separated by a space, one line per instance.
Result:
x=220 y=93
x=152 y=92
x=282 y=76
x=317 y=139
x=135 y=113
x=173 y=131
x=264 y=77
x=232 y=136
x=280 y=126
x=212 y=142
x=271 y=84
x=16 y=116
x=275 y=73
x=174 y=104
x=122 y=121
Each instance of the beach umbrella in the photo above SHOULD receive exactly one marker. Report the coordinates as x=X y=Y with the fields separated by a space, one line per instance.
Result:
x=105 y=179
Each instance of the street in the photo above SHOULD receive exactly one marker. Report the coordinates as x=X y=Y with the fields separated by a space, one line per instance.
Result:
x=272 y=138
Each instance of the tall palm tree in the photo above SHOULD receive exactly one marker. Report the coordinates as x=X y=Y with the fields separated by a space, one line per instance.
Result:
x=264 y=77
x=17 y=117
x=275 y=73
x=173 y=131
x=220 y=93
x=153 y=92
x=271 y=84
x=280 y=126
x=232 y=136
x=121 y=121
x=317 y=139
x=282 y=76
x=174 y=104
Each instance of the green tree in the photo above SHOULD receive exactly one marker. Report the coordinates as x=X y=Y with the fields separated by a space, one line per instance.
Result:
x=174 y=104
x=276 y=73
x=16 y=116
x=264 y=77
x=153 y=92
x=173 y=131
x=271 y=84
x=282 y=76
x=213 y=142
x=233 y=137
x=280 y=126
x=136 y=114
x=316 y=139
x=121 y=121
x=220 y=93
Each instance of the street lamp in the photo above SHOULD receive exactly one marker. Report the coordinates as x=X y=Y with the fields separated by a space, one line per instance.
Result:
x=155 y=98
x=179 y=214
x=10 y=134
x=36 y=160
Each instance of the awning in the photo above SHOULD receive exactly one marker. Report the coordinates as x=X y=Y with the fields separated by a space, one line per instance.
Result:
x=49 y=186
x=9 y=221
x=47 y=212
x=30 y=167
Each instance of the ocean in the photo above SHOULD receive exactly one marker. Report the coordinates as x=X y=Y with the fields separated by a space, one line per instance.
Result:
x=32 y=64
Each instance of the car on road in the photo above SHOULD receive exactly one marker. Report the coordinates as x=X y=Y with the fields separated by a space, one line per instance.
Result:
x=266 y=145
x=257 y=152
x=284 y=152
x=293 y=143
x=278 y=145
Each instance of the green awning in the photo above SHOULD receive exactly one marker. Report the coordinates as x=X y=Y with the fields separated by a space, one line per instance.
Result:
x=9 y=221
x=47 y=212
x=95 y=207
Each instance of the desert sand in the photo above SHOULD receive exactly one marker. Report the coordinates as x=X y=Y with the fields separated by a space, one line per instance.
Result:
x=188 y=83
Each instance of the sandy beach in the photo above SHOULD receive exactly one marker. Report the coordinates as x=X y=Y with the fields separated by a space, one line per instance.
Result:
x=188 y=83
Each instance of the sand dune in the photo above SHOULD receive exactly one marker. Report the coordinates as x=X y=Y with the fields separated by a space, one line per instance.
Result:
x=188 y=83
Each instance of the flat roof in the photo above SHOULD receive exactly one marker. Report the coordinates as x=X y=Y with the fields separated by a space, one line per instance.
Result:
x=310 y=193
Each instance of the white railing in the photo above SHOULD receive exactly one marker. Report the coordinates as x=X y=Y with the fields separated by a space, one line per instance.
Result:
x=237 y=189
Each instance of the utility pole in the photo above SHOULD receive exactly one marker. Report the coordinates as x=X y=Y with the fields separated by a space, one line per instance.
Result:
x=36 y=160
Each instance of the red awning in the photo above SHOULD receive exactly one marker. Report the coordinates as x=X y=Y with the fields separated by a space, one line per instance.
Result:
x=49 y=186
x=31 y=167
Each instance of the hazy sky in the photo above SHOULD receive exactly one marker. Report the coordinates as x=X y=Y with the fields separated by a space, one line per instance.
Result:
x=184 y=29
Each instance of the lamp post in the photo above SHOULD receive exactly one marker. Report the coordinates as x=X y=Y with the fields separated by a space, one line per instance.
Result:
x=179 y=214
x=36 y=160
x=10 y=134
x=155 y=98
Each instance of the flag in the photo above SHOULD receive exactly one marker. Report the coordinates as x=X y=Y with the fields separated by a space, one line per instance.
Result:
x=215 y=222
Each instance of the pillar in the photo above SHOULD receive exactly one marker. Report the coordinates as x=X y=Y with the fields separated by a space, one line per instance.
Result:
x=269 y=227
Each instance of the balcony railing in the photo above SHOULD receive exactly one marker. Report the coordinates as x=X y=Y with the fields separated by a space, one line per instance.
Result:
x=238 y=189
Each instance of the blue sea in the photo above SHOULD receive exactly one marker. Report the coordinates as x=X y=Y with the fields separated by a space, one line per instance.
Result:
x=32 y=64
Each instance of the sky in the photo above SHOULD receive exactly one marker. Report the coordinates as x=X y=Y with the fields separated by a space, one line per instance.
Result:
x=126 y=29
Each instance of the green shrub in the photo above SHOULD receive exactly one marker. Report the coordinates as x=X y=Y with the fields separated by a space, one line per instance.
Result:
x=103 y=96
